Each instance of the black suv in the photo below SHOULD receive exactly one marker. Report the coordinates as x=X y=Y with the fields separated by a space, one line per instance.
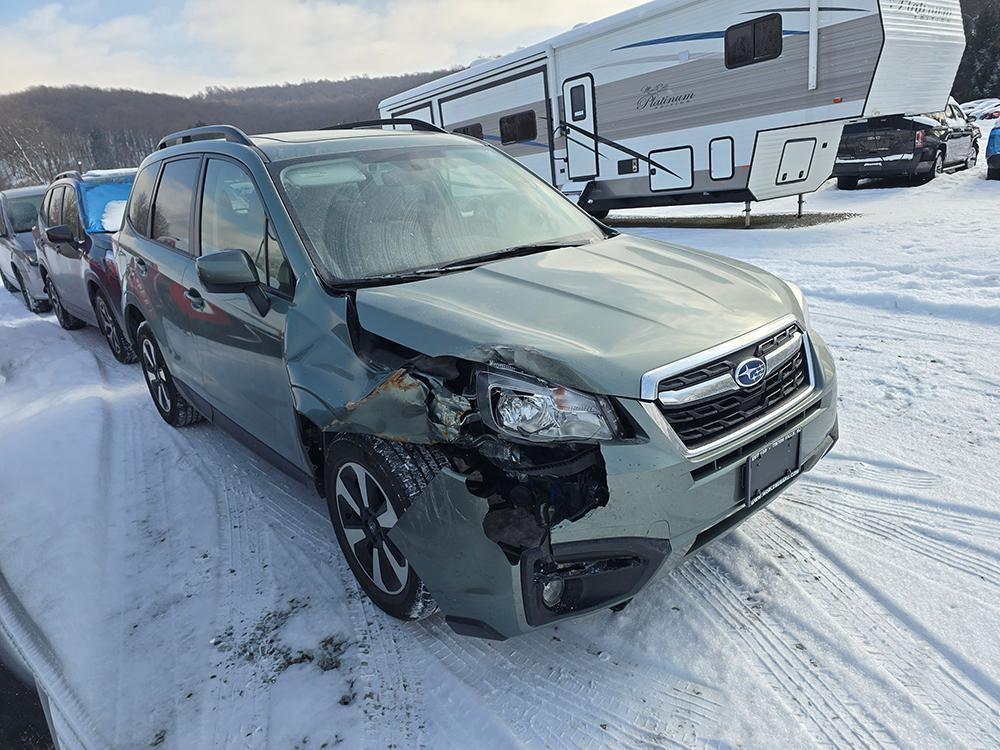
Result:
x=79 y=214
x=913 y=146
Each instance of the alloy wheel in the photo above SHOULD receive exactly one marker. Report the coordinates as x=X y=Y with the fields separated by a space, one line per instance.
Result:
x=156 y=375
x=367 y=516
x=108 y=327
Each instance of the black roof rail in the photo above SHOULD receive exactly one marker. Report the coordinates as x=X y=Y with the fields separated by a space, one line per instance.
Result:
x=415 y=124
x=67 y=173
x=207 y=133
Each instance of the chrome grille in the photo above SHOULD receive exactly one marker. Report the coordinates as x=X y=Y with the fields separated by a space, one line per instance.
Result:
x=703 y=405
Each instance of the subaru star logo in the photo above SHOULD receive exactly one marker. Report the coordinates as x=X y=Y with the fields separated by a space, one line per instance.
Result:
x=750 y=372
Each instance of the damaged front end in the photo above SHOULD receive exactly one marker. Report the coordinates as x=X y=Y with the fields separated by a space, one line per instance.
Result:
x=523 y=457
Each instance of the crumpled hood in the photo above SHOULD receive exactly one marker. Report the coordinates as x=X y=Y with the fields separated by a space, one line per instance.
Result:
x=594 y=318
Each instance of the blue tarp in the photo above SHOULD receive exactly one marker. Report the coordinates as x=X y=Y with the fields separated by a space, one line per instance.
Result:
x=97 y=200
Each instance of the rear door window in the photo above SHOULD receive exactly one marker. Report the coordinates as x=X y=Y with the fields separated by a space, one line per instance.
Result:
x=173 y=203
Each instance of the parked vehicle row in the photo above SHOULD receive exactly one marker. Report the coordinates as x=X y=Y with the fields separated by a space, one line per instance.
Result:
x=515 y=414
x=918 y=147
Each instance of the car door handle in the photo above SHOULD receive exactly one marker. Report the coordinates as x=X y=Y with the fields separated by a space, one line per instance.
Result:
x=195 y=298
x=140 y=266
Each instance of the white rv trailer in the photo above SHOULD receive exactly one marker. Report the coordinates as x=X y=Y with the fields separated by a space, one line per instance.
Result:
x=700 y=101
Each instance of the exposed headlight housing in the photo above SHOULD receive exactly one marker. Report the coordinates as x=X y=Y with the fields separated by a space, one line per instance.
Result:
x=526 y=409
x=800 y=298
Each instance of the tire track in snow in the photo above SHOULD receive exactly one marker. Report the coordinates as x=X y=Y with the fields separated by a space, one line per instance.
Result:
x=889 y=528
x=931 y=680
x=596 y=703
x=812 y=692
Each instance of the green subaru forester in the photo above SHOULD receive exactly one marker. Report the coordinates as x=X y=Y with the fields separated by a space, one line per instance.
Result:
x=515 y=414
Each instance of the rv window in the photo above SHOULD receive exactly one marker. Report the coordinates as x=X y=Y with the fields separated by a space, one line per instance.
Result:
x=754 y=41
x=578 y=102
x=518 y=128
x=475 y=130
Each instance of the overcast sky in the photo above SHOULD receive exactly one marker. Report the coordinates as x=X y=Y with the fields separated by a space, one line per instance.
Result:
x=182 y=46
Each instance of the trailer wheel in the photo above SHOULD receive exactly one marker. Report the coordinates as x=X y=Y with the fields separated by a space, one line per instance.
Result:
x=847 y=183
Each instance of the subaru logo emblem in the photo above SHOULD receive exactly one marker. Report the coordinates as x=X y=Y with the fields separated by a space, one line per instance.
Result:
x=750 y=372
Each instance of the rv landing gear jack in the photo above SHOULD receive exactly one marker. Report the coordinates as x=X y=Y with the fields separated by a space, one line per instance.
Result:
x=746 y=216
x=802 y=202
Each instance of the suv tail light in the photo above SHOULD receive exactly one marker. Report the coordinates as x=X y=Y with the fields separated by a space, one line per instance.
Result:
x=920 y=139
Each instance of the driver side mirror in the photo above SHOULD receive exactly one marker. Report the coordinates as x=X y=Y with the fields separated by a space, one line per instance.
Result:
x=232 y=272
x=60 y=234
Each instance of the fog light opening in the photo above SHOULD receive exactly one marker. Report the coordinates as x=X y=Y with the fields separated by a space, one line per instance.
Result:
x=552 y=592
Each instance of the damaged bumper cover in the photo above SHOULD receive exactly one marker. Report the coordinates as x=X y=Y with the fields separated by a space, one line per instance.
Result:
x=510 y=539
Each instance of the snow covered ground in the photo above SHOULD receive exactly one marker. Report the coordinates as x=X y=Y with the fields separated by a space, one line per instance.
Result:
x=171 y=590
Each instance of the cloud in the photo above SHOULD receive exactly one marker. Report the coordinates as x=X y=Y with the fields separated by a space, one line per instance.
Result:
x=247 y=42
x=308 y=39
x=47 y=47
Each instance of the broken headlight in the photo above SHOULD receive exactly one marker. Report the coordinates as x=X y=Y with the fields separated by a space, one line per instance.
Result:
x=531 y=410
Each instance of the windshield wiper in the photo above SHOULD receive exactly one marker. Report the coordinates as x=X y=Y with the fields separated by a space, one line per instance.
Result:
x=510 y=252
x=465 y=264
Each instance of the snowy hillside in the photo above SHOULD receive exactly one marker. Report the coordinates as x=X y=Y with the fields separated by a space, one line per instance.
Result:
x=171 y=590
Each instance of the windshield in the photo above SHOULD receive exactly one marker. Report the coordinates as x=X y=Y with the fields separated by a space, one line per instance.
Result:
x=104 y=204
x=23 y=212
x=379 y=213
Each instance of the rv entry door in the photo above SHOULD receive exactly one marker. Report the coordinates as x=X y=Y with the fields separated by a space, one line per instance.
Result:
x=580 y=122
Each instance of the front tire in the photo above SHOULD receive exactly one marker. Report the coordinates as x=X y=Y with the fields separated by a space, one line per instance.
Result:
x=847 y=183
x=66 y=319
x=369 y=485
x=9 y=286
x=169 y=403
x=973 y=159
x=30 y=302
x=993 y=174
x=118 y=343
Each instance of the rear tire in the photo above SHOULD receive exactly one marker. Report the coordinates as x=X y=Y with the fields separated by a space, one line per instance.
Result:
x=66 y=319
x=938 y=169
x=392 y=475
x=993 y=174
x=118 y=342
x=847 y=183
x=169 y=403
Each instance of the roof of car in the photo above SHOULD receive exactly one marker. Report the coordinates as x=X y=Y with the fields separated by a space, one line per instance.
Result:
x=25 y=191
x=278 y=146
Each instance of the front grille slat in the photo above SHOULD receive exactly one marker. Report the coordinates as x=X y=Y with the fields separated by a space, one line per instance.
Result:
x=704 y=422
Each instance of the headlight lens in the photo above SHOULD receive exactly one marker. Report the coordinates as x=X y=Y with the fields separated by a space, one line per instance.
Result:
x=535 y=411
x=803 y=305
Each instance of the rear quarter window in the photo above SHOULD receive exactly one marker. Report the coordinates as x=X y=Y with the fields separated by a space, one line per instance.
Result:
x=141 y=199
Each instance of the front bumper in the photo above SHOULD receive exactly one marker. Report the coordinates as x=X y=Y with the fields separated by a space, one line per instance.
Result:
x=663 y=507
